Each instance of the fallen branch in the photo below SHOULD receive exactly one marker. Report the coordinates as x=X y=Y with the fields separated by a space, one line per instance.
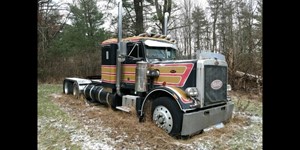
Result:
x=249 y=76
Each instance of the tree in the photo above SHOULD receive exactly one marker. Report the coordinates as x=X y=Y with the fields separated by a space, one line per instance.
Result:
x=87 y=19
x=161 y=8
x=133 y=17
x=187 y=30
x=226 y=36
x=139 y=19
x=246 y=42
x=199 y=24
x=75 y=48
x=49 y=24
x=144 y=14
x=215 y=9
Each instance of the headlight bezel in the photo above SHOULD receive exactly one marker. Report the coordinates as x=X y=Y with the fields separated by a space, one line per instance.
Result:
x=192 y=91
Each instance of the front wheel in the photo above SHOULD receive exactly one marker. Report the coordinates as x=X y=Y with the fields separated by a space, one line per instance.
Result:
x=167 y=115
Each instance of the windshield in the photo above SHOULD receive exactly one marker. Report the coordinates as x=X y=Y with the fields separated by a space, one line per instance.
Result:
x=160 y=53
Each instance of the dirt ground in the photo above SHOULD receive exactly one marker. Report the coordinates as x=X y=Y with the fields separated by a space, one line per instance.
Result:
x=103 y=128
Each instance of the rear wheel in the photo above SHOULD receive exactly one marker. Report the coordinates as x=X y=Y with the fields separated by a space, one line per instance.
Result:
x=167 y=115
x=76 y=90
x=67 y=87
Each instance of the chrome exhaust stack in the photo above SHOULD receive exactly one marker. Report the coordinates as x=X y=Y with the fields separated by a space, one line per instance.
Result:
x=121 y=52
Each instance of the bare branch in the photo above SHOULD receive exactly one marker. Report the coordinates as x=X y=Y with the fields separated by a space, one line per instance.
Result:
x=128 y=12
x=62 y=26
x=178 y=27
x=158 y=26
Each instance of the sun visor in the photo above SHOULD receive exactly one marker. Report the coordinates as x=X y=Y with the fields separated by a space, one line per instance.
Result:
x=210 y=55
x=153 y=43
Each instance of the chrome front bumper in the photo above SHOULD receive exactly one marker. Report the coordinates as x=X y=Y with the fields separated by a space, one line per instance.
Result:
x=194 y=122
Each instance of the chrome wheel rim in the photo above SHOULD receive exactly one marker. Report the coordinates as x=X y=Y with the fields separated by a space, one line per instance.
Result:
x=75 y=90
x=66 y=89
x=163 y=118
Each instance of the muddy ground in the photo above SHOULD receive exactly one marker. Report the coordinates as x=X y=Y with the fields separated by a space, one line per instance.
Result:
x=100 y=127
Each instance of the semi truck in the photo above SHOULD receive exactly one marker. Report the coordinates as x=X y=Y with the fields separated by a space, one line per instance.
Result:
x=143 y=74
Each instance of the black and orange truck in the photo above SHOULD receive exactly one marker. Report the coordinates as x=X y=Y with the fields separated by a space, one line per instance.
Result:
x=142 y=73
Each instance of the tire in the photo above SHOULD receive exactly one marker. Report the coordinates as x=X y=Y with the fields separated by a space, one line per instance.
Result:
x=76 y=90
x=167 y=115
x=67 y=87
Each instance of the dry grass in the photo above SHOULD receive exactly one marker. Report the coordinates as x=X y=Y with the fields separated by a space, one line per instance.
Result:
x=245 y=103
x=125 y=131
x=137 y=135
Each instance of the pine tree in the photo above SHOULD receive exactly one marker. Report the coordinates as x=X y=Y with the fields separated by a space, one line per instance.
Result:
x=199 y=24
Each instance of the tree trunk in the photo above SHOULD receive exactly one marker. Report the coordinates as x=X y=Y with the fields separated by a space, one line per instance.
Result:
x=167 y=6
x=139 y=20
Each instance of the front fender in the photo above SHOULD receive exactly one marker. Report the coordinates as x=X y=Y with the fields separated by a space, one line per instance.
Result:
x=176 y=93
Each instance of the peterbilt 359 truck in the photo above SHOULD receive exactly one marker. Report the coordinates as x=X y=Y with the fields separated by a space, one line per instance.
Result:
x=142 y=74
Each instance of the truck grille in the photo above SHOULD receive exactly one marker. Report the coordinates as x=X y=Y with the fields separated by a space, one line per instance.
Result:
x=215 y=84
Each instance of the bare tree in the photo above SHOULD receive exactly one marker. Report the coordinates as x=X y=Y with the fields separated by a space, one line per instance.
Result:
x=187 y=29
x=49 y=24
x=246 y=43
x=139 y=19
x=161 y=9
x=215 y=6
x=226 y=37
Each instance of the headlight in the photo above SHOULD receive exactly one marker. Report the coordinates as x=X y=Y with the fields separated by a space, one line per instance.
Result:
x=228 y=87
x=191 y=91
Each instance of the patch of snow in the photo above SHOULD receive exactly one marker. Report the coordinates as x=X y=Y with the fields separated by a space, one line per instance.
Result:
x=253 y=118
x=81 y=136
x=90 y=143
x=256 y=119
x=55 y=95
x=219 y=125
x=207 y=129
x=204 y=145
x=216 y=126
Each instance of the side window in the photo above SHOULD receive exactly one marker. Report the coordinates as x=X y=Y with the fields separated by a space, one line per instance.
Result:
x=133 y=50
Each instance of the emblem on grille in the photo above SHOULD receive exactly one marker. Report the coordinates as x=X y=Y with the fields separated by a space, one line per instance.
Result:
x=216 y=84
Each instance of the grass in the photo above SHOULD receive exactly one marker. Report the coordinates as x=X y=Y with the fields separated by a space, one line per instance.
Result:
x=52 y=120
x=244 y=104
x=45 y=107
x=247 y=138
x=57 y=129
